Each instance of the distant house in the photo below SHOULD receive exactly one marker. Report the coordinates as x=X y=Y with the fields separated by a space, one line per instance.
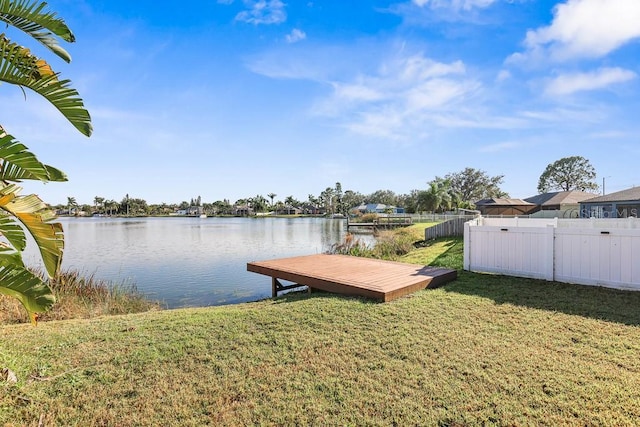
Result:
x=310 y=209
x=557 y=203
x=500 y=206
x=242 y=210
x=194 y=211
x=564 y=203
x=289 y=210
x=380 y=208
x=621 y=204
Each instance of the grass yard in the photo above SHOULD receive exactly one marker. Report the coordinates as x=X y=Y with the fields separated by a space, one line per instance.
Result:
x=483 y=350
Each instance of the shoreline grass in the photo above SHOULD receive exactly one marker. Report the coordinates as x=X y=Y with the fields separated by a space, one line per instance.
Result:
x=81 y=296
x=483 y=350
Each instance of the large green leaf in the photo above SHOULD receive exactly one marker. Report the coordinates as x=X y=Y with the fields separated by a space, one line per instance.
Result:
x=36 y=217
x=16 y=163
x=18 y=66
x=32 y=18
x=12 y=231
x=17 y=281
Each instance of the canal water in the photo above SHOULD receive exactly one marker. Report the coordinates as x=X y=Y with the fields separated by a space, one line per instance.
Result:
x=191 y=262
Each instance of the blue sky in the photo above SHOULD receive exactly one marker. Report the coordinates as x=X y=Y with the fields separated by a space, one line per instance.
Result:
x=230 y=99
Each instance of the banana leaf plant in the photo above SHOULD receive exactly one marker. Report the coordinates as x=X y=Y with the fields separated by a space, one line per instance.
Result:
x=20 y=214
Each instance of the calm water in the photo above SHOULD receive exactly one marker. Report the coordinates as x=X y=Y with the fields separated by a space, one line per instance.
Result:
x=191 y=261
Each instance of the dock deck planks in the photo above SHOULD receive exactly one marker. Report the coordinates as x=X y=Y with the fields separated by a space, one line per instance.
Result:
x=344 y=274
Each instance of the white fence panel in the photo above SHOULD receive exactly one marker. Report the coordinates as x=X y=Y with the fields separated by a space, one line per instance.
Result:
x=518 y=251
x=598 y=257
x=583 y=251
x=517 y=222
x=600 y=223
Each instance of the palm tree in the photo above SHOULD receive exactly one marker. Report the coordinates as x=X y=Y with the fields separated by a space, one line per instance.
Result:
x=97 y=202
x=272 y=196
x=71 y=202
x=259 y=203
x=339 y=206
x=108 y=206
x=20 y=67
x=326 y=197
x=437 y=197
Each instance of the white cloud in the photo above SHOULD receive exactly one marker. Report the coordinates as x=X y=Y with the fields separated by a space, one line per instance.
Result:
x=400 y=99
x=472 y=119
x=263 y=12
x=421 y=13
x=358 y=92
x=383 y=123
x=570 y=83
x=611 y=134
x=433 y=94
x=566 y=116
x=296 y=35
x=418 y=67
x=405 y=84
x=501 y=146
x=456 y=5
x=503 y=75
x=292 y=63
x=584 y=29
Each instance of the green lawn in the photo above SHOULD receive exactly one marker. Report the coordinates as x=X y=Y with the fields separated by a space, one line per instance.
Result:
x=482 y=350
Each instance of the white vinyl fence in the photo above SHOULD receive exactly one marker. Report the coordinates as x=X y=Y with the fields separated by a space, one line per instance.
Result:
x=602 y=252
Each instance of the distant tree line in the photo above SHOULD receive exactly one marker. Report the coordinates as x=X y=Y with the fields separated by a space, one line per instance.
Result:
x=455 y=190
x=459 y=189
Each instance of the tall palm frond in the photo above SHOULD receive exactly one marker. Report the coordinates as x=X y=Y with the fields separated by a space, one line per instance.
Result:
x=36 y=218
x=16 y=163
x=32 y=18
x=18 y=66
x=20 y=215
x=18 y=282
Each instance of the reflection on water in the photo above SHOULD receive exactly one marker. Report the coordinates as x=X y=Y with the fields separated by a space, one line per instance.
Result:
x=192 y=261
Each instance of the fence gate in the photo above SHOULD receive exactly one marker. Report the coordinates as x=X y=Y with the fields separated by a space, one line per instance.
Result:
x=573 y=251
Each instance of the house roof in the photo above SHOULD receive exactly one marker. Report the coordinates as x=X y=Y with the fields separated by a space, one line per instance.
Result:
x=503 y=202
x=560 y=198
x=628 y=195
x=374 y=206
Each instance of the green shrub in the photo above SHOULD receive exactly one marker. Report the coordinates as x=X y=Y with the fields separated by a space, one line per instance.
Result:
x=392 y=244
x=351 y=246
x=389 y=245
x=369 y=217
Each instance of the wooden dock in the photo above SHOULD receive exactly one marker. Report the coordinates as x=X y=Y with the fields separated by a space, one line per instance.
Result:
x=349 y=275
x=383 y=222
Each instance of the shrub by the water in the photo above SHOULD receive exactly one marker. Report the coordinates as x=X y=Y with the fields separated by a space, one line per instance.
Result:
x=350 y=245
x=390 y=244
x=368 y=217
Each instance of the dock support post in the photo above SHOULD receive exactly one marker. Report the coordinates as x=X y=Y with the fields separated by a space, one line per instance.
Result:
x=274 y=287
